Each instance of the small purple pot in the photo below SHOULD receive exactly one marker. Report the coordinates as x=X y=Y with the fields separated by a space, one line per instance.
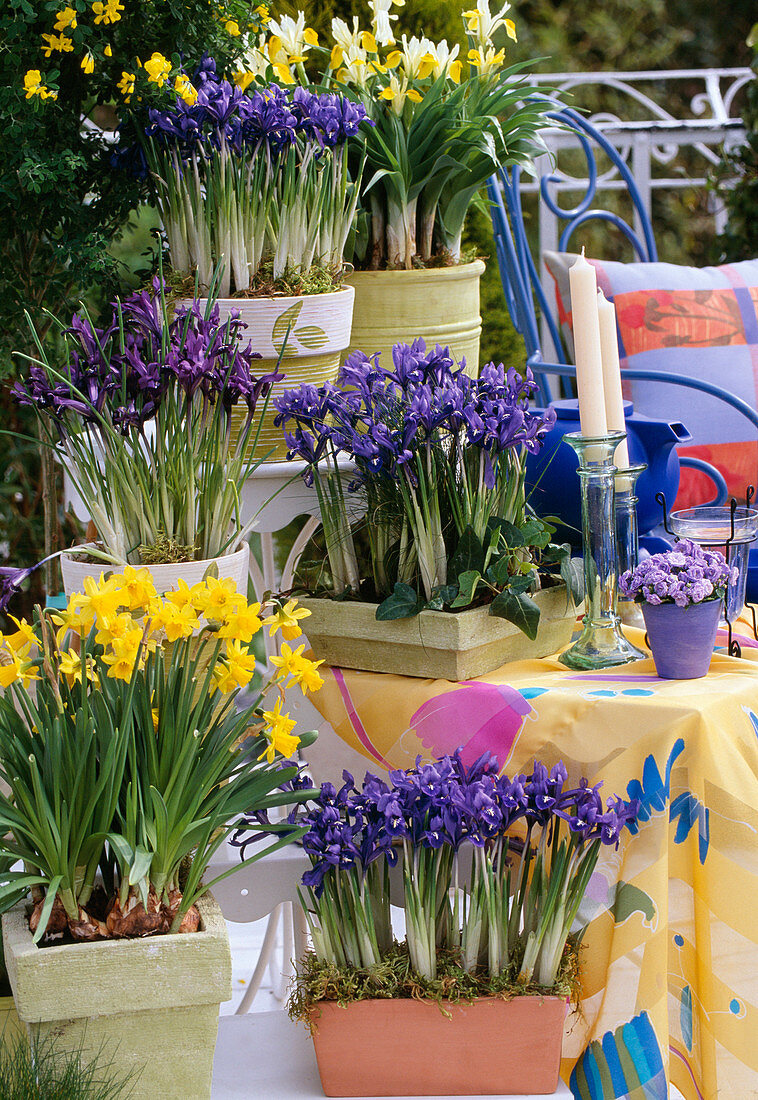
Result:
x=682 y=638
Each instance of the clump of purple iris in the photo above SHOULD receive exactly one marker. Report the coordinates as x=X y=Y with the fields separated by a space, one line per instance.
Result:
x=686 y=574
x=140 y=411
x=260 y=171
x=437 y=453
x=123 y=371
x=494 y=868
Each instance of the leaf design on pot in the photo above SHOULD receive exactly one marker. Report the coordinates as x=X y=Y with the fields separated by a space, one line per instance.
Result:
x=282 y=330
x=311 y=336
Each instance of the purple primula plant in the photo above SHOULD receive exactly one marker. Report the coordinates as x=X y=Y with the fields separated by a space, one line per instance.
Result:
x=250 y=178
x=139 y=412
x=440 y=458
x=686 y=574
x=494 y=869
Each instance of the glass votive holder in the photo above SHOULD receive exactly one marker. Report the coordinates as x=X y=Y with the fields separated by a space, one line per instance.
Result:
x=711 y=525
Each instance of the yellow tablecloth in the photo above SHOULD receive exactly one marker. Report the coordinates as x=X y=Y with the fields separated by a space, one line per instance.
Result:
x=670 y=970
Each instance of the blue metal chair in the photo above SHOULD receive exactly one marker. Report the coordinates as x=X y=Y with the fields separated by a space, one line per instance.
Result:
x=525 y=295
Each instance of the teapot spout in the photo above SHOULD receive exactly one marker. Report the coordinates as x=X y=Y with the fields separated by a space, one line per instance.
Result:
x=659 y=435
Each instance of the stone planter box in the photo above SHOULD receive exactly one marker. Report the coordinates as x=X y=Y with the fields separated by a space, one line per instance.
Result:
x=147 y=1006
x=440 y=645
x=411 y=1048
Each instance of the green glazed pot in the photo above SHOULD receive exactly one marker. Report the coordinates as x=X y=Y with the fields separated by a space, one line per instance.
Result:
x=440 y=304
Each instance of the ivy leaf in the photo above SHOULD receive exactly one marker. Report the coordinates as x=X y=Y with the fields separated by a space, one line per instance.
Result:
x=401 y=604
x=536 y=533
x=467 y=583
x=442 y=594
x=468 y=555
x=511 y=533
x=519 y=609
x=498 y=572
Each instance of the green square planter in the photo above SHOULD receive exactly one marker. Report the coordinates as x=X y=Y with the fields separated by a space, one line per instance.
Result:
x=148 y=1005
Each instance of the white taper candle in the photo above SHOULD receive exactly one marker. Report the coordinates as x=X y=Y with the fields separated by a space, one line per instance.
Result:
x=614 y=400
x=589 y=363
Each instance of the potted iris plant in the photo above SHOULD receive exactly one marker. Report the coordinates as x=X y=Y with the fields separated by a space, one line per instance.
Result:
x=442 y=124
x=126 y=757
x=258 y=179
x=490 y=872
x=140 y=415
x=435 y=563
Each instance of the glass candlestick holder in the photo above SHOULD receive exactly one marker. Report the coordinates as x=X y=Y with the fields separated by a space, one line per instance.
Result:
x=601 y=643
x=627 y=540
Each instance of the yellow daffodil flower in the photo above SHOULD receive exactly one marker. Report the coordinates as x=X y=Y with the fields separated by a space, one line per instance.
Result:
x=70 y=666
x=122 y=658
x=279 y=733
x=22 y=640
x=56 y=44
x=116 y=626
x=126 y=85
x=176 y=622
x=65 y=18
x=241 y=663
x=183 y=595
x=100 y=600
x=13 y=669
x=223 y=679
x=243 y=624
x=158 y=69
x=88 y=64
x=135 y=585
x=218 y=598
x=301 y=669
x=107 y=11
x=185 y=89
x=287 y=619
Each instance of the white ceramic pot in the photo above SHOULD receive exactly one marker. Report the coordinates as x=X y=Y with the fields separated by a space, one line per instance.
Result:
x=319 y=333
x=165 y=577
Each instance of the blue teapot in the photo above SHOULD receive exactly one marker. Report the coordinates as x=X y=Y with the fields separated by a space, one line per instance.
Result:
x=552 y=483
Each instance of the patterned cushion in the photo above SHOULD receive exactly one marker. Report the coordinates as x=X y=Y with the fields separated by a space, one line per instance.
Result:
x=701 y=322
